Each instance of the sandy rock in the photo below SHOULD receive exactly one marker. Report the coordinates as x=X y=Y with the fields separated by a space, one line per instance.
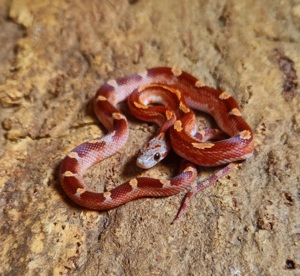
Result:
x=54 y=56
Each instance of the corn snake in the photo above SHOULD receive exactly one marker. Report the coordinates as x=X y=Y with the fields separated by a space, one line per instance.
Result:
x=176 y=92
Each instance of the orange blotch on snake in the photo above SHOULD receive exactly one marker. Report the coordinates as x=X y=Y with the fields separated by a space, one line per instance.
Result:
x=176 y=72
x=245 y=135
x=80 y=191
x=224 y=96
x=165 y=182
x=199 y=84
x=178 y=125
x=183 y=107
x=69 y=174
x=107 y=195
x=138 y=105
x=145 y=86
x=101 y=98
x=133 y=183
x=73 y=155
x=203 y=145
x=117 y=116
x=235 y=112
x=176 y=92
x=169 y=114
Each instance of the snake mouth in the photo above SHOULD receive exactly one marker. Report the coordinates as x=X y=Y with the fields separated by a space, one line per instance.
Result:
x=142 y=164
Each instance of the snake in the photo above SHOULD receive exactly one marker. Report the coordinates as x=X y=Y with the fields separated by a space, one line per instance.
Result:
x=167 y=97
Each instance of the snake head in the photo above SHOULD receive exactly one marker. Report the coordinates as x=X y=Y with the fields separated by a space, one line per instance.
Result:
x=153 y=152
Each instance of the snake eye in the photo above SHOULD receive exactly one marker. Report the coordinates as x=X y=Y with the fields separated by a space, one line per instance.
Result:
x=156 y=156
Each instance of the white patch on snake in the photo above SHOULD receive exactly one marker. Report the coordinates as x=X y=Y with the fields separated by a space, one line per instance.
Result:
x=194 y=184
x=246 y=156
x=143 y=74
x=107 y=196
x=154 y=99
x=113 y=83
x=108 y=138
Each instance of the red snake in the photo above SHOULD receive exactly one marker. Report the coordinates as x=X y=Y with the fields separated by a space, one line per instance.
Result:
x=164 y=96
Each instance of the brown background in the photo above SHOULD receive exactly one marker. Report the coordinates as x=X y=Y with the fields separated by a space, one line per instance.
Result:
x=55 y=54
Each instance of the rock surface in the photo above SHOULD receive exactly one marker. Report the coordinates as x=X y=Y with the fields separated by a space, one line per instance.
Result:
x=55 y=54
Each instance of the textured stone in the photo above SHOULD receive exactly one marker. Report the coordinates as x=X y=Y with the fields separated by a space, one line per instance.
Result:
x=55 y=54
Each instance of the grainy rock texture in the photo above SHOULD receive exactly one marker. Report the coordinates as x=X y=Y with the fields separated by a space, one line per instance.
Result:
x=55 y=54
